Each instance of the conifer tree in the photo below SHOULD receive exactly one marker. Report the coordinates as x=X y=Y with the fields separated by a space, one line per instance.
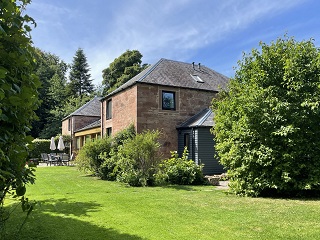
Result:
x=79 y=78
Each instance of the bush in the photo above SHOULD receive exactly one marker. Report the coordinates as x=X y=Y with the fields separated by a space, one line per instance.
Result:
x=39 y=146
x=267 y=125
x=138 y=159
x=108 y=170
x=180 y=171
x=88 y=158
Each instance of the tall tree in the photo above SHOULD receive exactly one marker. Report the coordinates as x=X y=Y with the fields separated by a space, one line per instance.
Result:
x=51 y=71
x=79 y=78
x=18 y=100
x=122 y=69
x=267 y=125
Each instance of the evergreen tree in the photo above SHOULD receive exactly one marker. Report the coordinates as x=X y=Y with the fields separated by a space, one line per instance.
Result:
x=80 y=82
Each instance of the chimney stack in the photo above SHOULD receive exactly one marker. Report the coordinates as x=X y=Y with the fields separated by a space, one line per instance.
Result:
x=193 y=65
x=199 y=66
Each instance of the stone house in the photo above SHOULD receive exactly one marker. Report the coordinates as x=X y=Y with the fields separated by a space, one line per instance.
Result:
x=171 y=96
x=83 y=124
x=162 y=97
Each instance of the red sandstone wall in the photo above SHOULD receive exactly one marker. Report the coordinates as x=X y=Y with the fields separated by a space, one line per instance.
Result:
x=151 y=116
x=142 y=106
x=124 y=110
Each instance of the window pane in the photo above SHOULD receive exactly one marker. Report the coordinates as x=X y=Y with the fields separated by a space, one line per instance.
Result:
x=109 y=109
x=168 y=100
x=186 y=140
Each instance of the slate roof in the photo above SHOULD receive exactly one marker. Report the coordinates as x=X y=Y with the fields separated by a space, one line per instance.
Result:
x=203 y=118
x=91 y=108
x=178 y=74
x=95 y=124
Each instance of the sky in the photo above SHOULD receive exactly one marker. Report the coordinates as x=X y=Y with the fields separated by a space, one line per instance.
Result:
x=214 y=33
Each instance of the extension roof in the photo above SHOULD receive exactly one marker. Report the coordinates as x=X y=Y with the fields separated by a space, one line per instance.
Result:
x=91 y=108
x=203 y=118
x=95 y=124
x=178 y=74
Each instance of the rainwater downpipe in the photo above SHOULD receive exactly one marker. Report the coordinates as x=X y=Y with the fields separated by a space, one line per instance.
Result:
x=193 y=144
x=102 y=118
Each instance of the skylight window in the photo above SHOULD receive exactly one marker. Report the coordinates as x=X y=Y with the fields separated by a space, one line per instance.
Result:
x=197 y=78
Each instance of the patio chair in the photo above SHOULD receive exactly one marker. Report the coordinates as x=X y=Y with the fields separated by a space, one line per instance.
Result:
x=52 y=159
x=65 y=159
x=59 y=158
x=44 y=158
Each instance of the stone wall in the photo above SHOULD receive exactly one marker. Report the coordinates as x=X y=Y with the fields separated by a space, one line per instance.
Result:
x=152 y=116
x=142 y=106
x=124 y=111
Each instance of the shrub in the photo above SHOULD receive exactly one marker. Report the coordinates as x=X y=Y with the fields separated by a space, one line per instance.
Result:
x=108 y=170
x=138 y=159
x=39 y=146
x=88 y=158
x=267 y=125
x=180 y=171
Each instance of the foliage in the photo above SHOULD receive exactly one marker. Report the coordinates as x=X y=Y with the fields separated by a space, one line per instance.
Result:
x=88 y=157
x=39 y=146
x=179 y=170
x=51 y=72
x=267 y=124
x=122 y=69
x=53 y=126
x=138 y=159
x=18 y=100
x=79 y=78
x=95 y=156
x=108 y=169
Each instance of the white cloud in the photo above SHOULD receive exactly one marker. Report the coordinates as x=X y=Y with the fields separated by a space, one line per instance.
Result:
x=171 y=29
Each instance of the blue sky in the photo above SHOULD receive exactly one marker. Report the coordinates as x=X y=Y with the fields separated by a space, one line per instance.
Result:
x=212 y=32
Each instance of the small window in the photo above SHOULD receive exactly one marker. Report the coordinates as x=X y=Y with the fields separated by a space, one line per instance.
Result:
x=197 y=78
x=168 y=100
x=69 y=124
x=187 y=140
x=109 y=109
x=109 y=132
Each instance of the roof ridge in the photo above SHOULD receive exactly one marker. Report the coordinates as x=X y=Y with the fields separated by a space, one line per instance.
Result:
x=204 y=118
x=150 y=70
x=192 y=118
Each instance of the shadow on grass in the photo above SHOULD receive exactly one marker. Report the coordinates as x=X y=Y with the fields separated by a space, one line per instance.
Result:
x=63 y=220
x=180 y=187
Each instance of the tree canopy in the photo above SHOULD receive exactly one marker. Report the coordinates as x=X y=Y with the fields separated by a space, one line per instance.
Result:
x=122 y=69
x=267 y=124
x=18 y=99
x=51 y=71
x=79 y=78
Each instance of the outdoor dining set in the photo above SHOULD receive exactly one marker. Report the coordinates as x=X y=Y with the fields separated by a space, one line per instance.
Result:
x=56 y=158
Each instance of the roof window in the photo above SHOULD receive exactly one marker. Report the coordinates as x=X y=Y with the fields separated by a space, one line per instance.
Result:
x=197 y=78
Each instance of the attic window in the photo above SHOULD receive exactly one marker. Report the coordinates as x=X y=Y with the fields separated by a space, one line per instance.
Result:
x=197 y=78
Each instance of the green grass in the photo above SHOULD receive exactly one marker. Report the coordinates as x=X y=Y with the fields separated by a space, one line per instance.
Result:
x=74 y=206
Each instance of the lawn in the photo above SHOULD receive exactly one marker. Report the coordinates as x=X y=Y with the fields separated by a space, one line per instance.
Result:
x=72 y=205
